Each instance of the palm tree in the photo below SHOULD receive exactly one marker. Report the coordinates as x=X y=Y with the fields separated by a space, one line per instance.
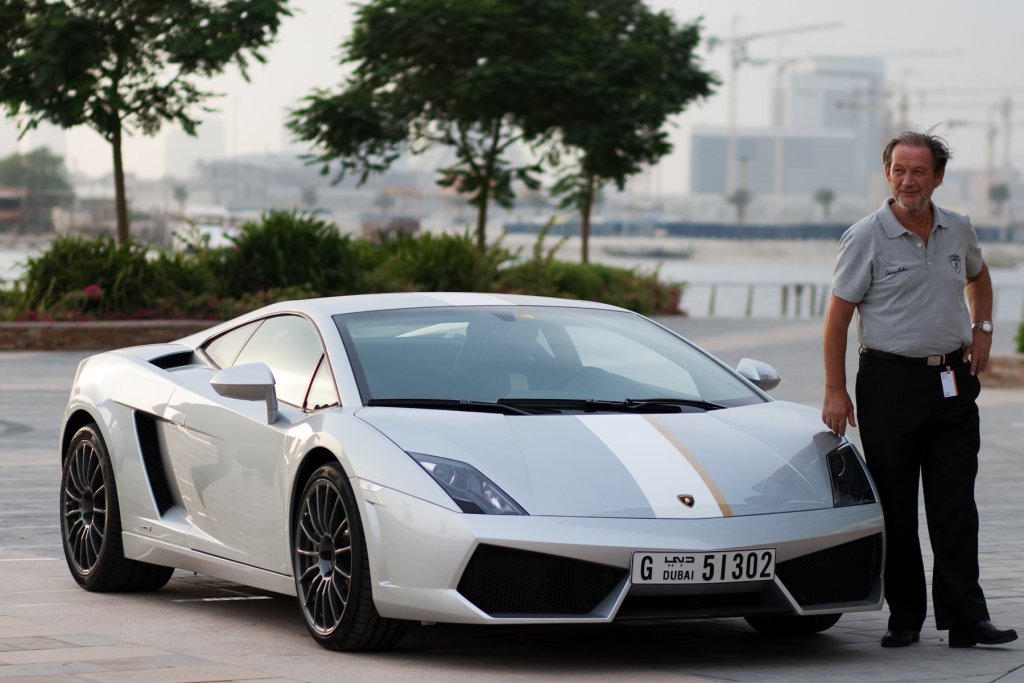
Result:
x=741 y=198
x=825 y=196
x=999 y=193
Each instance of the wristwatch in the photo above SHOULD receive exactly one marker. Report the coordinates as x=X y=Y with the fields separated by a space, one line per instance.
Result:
x=984 y=325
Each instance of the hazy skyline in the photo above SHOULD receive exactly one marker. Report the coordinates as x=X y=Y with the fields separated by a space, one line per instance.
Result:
x=959 y=80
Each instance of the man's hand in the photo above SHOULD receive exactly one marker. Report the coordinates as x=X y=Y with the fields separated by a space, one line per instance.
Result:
x=977 y=352
x=837 y=411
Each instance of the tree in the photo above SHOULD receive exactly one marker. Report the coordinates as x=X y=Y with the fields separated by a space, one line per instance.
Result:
x=825 y=196
x=180 y=196
x=741 y=198
x=999 y=193
x=630 y=70
x=309 y=198
x=41 y=174
x=124 y=65
x=471 y=75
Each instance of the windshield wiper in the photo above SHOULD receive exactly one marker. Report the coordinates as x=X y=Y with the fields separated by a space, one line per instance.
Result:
x=630 y=405
x=687 y=402
x=449 y=404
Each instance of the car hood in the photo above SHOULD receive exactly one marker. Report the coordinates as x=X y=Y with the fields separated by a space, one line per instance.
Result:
x=751 y=460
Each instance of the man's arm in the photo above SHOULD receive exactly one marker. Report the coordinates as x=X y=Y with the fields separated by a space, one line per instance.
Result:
x=979 y=298
x=837 y=409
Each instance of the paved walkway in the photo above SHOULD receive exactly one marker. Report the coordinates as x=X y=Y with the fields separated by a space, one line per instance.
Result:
x=198 y=629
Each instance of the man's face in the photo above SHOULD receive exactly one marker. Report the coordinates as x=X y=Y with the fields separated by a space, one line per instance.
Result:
x=912 y=177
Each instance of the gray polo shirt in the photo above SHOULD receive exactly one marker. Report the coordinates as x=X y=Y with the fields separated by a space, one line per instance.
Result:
x=910 y=298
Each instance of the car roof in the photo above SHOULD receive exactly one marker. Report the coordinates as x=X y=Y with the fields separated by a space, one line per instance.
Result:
x=322 y=309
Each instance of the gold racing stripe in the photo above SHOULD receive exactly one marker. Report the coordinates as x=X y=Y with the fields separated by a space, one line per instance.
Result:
x=695 y=464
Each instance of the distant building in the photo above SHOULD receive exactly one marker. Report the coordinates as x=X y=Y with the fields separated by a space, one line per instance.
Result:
x=184 y=152
x=830 y=136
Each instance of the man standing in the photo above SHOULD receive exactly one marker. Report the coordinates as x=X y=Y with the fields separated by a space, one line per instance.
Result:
x=904 y=269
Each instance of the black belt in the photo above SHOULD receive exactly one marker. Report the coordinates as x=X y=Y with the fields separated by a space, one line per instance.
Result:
x=936 y=360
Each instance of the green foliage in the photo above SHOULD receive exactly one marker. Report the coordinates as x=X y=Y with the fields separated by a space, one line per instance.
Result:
x=290 y=249
x=543 y=275
x=631 y=69
x=119 y=66
x=295 y=256
x=94 y=275
x=1020 y=338
x=440 y=263
x=470 y=75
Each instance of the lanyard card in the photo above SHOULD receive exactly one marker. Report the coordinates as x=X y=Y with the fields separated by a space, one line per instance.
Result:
x=948 y=383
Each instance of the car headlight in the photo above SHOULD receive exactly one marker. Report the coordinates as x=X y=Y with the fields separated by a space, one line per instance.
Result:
x=472 y=492
x=850 y=482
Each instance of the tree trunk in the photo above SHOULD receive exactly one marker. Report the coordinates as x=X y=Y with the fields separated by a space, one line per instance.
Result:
x=588 y=204
x=120 y=200
x=481 y=216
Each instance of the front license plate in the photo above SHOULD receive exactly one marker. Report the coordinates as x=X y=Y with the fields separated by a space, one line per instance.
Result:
x=720 y=567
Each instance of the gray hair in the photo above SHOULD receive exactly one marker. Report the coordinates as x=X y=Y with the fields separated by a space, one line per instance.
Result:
x=938 y=146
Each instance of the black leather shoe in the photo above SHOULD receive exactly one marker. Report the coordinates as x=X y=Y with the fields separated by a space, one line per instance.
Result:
x=900 y=637
x=982 y=633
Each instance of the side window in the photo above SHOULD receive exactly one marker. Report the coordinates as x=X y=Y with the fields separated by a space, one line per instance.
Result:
x=291 y=349
x=224 y=349
x=322 y=392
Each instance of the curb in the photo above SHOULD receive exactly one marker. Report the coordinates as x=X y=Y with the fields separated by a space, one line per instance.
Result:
x=94 y=336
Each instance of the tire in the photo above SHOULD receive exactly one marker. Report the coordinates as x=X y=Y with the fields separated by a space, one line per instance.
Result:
x=90 y=522
x=332 y=568
x=792 y=625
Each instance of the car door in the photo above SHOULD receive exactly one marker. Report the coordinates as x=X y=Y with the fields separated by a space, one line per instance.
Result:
x=229 y=462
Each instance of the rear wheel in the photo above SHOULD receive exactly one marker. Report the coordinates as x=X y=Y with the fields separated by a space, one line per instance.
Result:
x=332 y=569
x=90 y=522
x=792 y=625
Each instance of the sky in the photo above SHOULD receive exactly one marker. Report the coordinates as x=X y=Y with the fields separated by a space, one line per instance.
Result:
x=951 y=59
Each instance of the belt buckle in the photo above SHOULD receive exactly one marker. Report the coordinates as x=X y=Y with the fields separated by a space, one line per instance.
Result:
x=937 y=360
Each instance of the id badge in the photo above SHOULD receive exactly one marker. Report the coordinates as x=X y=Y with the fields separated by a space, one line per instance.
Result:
x=948 y=383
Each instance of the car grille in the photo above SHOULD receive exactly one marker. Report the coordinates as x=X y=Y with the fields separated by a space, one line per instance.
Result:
x=506 y=581
x=844 y=573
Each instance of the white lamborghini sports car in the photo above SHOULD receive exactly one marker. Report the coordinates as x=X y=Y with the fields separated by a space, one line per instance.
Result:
x=464 y=458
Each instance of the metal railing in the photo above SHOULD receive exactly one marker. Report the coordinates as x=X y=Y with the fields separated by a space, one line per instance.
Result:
x=800 y=300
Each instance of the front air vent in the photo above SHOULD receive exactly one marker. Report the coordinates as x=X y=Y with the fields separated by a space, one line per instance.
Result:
x=509 y=582
x=153 y=461
x=844 y=573
x=174 y=360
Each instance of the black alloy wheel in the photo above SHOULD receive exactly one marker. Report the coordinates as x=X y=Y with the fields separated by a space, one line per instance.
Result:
x=90 y=522
x=332 y=575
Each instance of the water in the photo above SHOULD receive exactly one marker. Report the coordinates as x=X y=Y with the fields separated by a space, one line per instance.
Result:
x=12 y=262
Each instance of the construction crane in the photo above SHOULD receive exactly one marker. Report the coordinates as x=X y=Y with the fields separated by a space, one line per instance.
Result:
x=738 y=56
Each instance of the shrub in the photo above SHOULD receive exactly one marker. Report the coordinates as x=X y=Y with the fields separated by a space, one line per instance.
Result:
x=439 y=263
x=544 y=276
x=93 y=276
x=290 y=249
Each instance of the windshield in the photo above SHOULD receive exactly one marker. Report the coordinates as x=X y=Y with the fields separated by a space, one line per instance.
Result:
x=487 y=354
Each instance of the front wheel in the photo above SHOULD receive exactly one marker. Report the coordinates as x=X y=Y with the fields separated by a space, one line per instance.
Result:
x=792 y=625
x=332 y=569
x=90 y=522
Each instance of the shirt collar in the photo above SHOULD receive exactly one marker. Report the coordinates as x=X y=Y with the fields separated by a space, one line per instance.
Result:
x=892 y=226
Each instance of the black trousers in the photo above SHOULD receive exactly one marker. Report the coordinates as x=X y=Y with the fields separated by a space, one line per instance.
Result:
x=911 y=433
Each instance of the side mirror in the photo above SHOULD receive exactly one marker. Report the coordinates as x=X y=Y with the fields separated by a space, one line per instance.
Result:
x=249 y=382
x=762 y=375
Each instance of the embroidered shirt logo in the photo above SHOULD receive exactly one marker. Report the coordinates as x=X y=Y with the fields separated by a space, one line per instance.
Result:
x=954 y=260
x=895 y=270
